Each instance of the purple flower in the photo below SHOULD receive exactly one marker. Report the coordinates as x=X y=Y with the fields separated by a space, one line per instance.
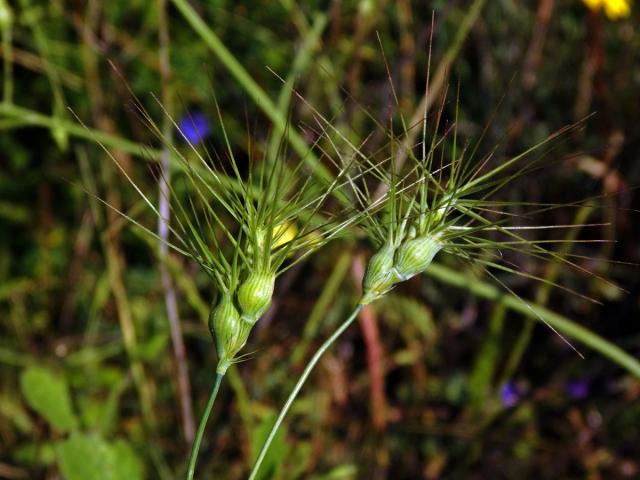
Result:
x=509 y=394
x=577 y=389
x=194 y=127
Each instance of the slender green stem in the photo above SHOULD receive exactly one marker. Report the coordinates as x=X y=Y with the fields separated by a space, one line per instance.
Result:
x=294 y=393
x=480 y=289
x=43 y=46
x=34 y=118
x=201 y=427
x=537 y=312
x=7 y=53
x=543 y=292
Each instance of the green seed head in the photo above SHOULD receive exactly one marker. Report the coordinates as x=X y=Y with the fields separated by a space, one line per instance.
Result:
x=415 y=255
x=380 y=275
x=254 y=295
x=226 y=328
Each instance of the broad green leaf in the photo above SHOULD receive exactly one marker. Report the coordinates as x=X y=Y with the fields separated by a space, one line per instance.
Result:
x=84 y=457
x=48 y=394
x=128 y=465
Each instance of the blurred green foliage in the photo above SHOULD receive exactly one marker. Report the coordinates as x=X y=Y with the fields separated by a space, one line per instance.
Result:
x=81 y=400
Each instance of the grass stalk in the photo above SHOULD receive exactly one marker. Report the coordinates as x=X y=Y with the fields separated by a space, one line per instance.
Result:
x=375 y=365
x=294 y=393
x=113 y=257
x=537 y=312
x=437 y=84
x=7 y=54
x=188 y=286
x=299 y=65
x=254 y=90
x=51 y=71
x=482 y=290
x=542 y=295
x=487 y=358
x=125 y=319
x=33 y=118
x=202 y=426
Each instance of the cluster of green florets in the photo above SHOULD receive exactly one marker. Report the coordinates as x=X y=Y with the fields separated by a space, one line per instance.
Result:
x=233 y=318
x=243 y=303
x=397 y=263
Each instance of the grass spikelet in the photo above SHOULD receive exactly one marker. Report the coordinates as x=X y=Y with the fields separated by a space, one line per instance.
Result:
x=243 y=224
x=441 y=200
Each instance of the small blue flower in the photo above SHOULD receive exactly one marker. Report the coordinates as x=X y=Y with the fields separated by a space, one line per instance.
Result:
x=509 y=394
x=194 y=127
x=577 y=389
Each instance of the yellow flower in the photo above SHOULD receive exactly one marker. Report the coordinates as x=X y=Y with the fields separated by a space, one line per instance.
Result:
x=617 y=9
x=594 y=5
x=614 y=9
x=284 y=233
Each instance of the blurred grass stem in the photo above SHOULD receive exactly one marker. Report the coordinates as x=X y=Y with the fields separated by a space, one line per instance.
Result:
x=31 y=117
x=537 y=312
x=322 y=304
x=543 y=292
x=251 y=87
x=435 y=86
x=7 y=64
x=171 y=303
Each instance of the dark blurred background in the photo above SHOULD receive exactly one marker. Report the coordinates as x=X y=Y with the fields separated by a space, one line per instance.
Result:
x=435 y=381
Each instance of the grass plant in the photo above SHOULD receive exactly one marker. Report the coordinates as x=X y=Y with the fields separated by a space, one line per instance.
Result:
x=442 y=201
x=86 y=301
x=272 y=221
